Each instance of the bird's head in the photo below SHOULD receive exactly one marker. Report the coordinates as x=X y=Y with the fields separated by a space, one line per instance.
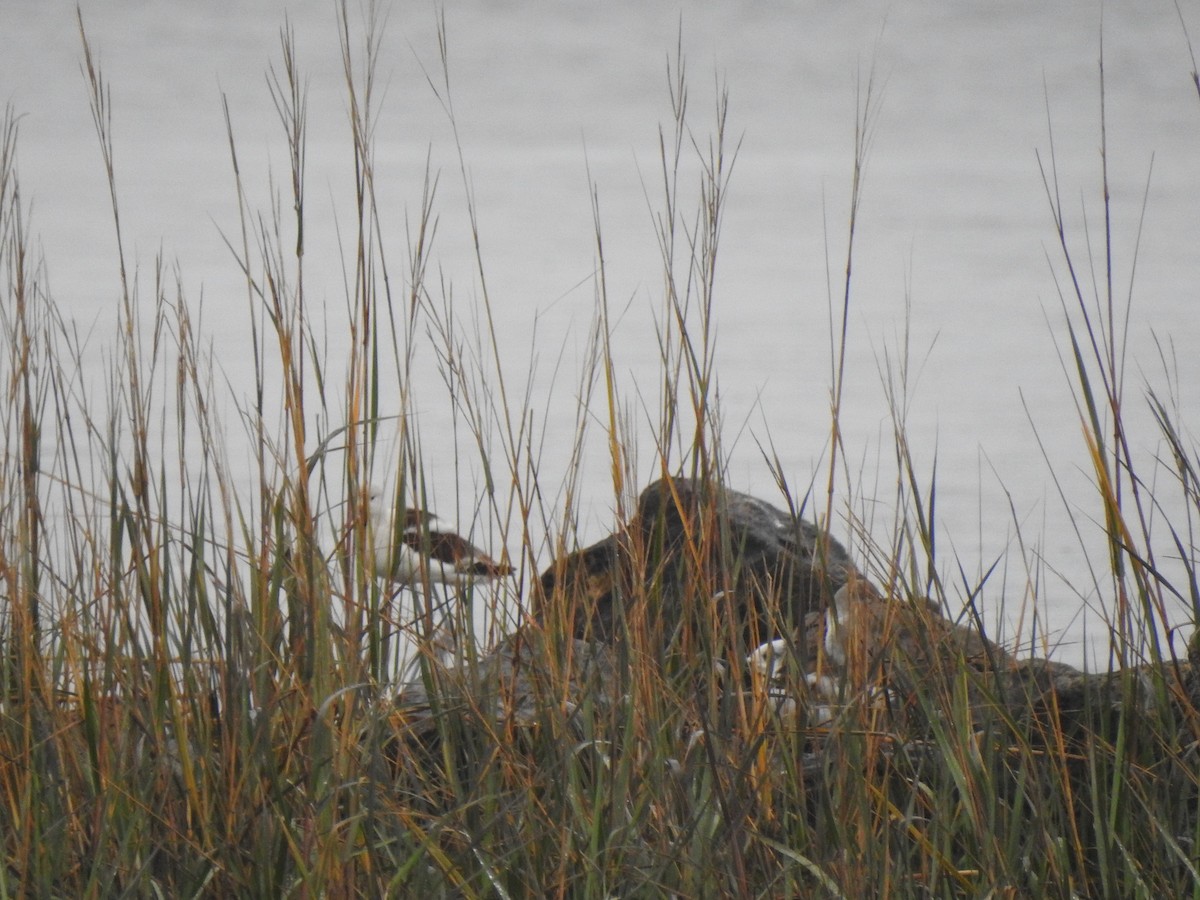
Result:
x=418 y=518
x=382 y=505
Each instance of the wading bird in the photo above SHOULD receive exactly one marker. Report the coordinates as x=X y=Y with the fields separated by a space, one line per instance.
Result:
x=411 y=552
x=413 y=549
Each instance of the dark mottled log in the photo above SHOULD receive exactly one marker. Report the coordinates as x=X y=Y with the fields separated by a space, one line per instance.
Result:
x=568 y=671
x=686 y=539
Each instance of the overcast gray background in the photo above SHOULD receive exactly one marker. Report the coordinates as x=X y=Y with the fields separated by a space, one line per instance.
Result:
x=954 y=239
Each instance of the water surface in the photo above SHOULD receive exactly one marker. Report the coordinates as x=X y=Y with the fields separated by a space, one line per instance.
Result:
x=955 y=260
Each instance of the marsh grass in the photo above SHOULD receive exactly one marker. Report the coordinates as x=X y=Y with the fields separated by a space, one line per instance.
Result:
x=195 y=678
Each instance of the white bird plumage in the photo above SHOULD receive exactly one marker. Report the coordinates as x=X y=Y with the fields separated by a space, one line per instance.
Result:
x=411 y=549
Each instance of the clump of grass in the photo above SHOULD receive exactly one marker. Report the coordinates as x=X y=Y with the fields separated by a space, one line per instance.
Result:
x=197 y=671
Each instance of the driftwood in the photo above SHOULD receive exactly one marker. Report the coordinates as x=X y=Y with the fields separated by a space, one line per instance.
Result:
x=686 y=537
x=777 y=574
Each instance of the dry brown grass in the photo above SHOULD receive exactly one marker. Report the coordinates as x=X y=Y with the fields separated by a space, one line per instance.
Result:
x=194 y=678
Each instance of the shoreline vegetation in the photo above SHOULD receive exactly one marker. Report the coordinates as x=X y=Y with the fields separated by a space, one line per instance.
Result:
x=207 y=690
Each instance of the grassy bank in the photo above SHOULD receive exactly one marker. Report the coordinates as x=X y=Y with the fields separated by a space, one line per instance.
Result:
x=198 y=660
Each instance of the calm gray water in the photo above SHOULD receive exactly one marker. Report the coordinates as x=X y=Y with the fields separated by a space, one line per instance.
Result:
x=955 y=254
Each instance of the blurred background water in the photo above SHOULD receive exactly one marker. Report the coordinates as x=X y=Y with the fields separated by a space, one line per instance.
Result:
x=955 y=258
